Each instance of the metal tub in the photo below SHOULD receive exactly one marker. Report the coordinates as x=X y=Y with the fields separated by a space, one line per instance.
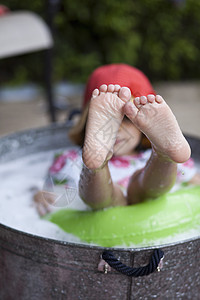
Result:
x=33 y=267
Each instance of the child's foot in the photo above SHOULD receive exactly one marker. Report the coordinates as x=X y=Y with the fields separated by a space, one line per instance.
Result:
x=104 y=119
x=155 y=119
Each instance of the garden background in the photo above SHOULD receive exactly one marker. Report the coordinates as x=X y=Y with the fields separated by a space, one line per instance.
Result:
x=161 y=37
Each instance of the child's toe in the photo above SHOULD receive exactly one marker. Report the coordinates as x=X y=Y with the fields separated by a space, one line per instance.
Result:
x=111 y=88
x=117 y=88
x=143 y=100
x=124 y=93
x=130 y=110
x=151 y=98
x=95 y=93
x=137 y=102
x=103 y=88
x=159 y=99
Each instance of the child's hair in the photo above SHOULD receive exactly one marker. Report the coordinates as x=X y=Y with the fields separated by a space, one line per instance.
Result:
x=121 y=74
x=77 y=132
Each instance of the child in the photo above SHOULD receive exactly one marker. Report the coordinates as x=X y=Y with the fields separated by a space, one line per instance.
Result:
x=120 y=110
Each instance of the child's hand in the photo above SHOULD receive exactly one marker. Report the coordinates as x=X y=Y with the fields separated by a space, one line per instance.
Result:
x=42 y=201
x=195 y=179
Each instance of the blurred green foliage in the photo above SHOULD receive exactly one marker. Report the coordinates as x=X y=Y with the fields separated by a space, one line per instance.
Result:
x=157 y=36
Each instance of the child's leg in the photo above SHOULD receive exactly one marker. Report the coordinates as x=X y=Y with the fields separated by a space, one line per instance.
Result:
x=155 y=119
x=97 y=189
x=104 y=119
x=155 y=179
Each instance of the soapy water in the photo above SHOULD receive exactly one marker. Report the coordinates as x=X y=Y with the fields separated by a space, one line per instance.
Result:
x=21 y=178
x=60 y=194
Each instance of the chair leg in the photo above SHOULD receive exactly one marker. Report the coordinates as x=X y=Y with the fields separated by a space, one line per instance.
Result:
x=48 y=84
x=52 y=6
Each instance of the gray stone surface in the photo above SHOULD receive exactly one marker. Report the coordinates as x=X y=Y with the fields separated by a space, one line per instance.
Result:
x=38 y=268
x=184 y=100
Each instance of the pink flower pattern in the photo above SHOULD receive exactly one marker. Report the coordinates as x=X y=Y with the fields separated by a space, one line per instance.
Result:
x=61 y=160
x=189 y=163
x=124 y=182
x=120 y=162
x=71 y=154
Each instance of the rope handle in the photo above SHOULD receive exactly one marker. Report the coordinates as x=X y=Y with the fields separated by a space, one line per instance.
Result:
x=155 y=263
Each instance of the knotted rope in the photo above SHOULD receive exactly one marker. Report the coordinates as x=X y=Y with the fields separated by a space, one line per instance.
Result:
x=134 y=272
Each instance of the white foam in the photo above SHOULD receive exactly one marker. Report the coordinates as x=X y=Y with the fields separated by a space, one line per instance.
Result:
x=19 y=180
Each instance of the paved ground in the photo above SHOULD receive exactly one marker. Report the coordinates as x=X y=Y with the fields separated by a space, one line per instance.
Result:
x=183 y=98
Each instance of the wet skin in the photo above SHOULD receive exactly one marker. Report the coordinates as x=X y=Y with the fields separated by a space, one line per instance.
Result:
x=150 y=115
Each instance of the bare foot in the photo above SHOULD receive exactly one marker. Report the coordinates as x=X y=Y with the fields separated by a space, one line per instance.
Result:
x=155 y=119
x=104 y=119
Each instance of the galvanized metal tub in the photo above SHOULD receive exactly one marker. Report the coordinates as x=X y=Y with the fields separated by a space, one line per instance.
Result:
x=33 y=267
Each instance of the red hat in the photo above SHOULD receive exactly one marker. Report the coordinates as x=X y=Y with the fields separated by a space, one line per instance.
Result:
x=121 y=74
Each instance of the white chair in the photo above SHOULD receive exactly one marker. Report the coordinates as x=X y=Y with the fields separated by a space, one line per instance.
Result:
x=22 y=32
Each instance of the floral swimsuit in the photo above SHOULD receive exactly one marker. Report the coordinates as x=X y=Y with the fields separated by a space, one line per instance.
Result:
x=66 y=168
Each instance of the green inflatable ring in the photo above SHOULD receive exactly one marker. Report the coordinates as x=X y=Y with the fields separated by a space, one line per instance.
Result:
x=170 y=214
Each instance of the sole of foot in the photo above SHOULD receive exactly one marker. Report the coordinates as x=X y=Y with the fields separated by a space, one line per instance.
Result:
x=155 y=119
x=104 y=119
